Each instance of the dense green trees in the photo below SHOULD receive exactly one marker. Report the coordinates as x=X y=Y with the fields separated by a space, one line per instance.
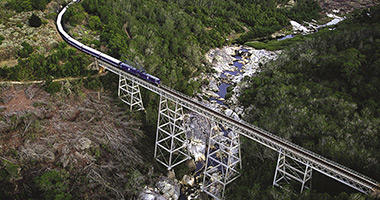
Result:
x=76 y=15
x=27 y=5
x=94 y=23
x=62 y=62
x=322 y=94
x=171 y=36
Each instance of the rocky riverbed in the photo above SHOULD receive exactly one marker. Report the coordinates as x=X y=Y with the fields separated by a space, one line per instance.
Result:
x=231 y=65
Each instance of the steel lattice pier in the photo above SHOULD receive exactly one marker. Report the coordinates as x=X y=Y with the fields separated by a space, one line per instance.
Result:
x=129 y=93
x=294 y=162
x=223 y=160
x=170 y=147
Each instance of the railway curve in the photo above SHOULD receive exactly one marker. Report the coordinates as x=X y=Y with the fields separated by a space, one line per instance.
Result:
x=317 y=162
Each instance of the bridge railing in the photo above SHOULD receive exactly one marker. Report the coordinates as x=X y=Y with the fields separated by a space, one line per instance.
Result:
x=317 y=162
x=264 y=137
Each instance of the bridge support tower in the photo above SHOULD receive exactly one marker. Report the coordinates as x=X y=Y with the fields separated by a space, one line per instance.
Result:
x=129 y=93
x=170 y=148
x=223 y=160
x=289 y=168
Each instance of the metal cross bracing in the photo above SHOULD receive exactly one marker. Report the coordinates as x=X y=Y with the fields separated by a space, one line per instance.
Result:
x=170 y=147
x=291 y=169
x=323 y=165
x=129 y=93
x=223 y=160
x=316 y=162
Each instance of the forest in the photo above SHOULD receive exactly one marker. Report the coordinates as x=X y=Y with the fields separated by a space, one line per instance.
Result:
x=330 y=78
x=62 y=62
x=27 y=5
x=169 y=38
x=322 y=94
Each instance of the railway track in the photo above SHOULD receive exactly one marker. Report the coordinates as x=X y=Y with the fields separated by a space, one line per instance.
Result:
x=323 y=165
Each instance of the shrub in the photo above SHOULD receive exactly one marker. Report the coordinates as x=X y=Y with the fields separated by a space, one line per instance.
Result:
x=53 y=87
x=39 y=4
x=54 y=185
x=93 y=84
x=26 y=50
x=20 y=5
x=1 y=39
x=35 y=21
x=94 y=23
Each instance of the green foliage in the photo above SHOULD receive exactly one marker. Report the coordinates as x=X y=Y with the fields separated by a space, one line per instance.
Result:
x=20 y=5
x=35 y=21
x=93 y=83
x=54 y=185
x=169 y=37
x=94 y=23
x=39 y=4
x=321 y=93
x=9 y=174
x=135 y=181
x=1 y=39
x=27 y=5
x=26 y=50
x=62 y=62
x=304 y=11
x=273 y=45
x=9 y=171
x=53 y=87
x=76 y=14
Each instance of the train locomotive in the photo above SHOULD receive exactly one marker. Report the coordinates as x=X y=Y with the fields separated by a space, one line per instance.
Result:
x=102 y=56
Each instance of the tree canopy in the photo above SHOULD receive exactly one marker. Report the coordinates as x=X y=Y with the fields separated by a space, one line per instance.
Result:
x=322 y=94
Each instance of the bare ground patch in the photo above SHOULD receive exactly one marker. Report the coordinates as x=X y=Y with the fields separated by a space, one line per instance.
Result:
x=9 y=63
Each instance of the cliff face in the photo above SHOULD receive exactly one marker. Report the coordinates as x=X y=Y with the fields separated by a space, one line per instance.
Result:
x=346 y=6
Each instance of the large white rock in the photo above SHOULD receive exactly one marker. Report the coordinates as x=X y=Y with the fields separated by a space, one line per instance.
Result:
x=150 y=194
x=336 y=19
x=299 y=27
x=228 y=112
x=168 y=188
x=197 y=148
x=213 y=85
x=188 y=180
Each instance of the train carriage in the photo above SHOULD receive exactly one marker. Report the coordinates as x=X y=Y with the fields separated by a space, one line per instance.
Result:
x=102 y=56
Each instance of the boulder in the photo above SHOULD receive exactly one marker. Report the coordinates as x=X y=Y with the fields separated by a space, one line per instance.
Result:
x=213 y=85
x=150 y=194
x=228 y=112
x=188 y=180
x=168 y=188
x=197 y=149
x=298 y=27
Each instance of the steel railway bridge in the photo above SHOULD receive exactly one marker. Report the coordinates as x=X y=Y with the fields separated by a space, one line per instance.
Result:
x=223 y=158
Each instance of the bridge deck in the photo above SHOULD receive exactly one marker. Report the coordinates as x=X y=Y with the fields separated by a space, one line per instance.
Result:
x=323 y=165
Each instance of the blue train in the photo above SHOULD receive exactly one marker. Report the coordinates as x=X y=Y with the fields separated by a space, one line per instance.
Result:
x=102 y=56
